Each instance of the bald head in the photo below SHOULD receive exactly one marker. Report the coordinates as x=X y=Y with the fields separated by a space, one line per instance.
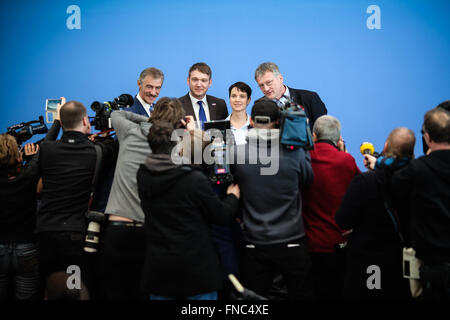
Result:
x=72 y=114
x=400 y=143
x=437 y=124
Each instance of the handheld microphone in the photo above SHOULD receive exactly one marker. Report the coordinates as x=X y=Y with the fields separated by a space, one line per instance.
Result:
x=367 y=148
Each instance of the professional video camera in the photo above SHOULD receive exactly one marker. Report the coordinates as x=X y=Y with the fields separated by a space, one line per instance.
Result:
x=96 y=219
x=294 y=127
x=25 y=130
x=219 y=171
x=102 y=120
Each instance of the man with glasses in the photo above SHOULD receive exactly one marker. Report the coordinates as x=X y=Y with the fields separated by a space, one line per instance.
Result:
x=270 y=81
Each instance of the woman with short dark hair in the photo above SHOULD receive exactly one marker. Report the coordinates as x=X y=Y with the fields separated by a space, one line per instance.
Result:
x=240 y=97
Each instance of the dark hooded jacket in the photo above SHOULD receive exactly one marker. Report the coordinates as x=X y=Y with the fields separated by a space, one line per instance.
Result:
x=178 y=203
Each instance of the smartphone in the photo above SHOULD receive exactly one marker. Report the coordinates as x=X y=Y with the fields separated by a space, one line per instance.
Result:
x=51 y=104
x=50 y=109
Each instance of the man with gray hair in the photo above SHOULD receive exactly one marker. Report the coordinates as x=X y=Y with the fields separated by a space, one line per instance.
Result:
x=150 y=82
x=333 y=170
x=271 y=83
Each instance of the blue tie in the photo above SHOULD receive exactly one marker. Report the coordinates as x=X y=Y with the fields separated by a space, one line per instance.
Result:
x=152 y=106
x=201 y=113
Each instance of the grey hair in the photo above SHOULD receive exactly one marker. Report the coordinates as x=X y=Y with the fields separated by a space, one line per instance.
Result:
x=153 y=72
x=327 y=128
x=266 y=67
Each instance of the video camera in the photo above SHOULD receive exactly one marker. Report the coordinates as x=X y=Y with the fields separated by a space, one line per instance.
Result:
x=219 y=171
x=294 y=127
x=25 y=130
x=102 y=119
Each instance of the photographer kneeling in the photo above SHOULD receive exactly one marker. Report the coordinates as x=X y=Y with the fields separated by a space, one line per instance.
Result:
x=179 y=203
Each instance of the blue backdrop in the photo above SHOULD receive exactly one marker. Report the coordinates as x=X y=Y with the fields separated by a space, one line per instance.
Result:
x=372 y=80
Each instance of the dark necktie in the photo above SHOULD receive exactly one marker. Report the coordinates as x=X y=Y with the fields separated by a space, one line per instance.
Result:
x=201 y=113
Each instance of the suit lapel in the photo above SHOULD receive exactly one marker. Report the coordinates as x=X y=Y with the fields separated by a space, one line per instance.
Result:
x=140 y=108
x=296 y=97
x=212 y=108
x=188 y=106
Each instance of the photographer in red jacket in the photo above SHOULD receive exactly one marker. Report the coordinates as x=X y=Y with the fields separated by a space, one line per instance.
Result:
x=333 y=170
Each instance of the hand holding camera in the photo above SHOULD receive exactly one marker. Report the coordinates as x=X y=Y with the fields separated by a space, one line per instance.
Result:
x=234 y=189
x=58 y=107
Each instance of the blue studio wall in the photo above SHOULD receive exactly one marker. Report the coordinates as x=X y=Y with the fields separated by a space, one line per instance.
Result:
x=375 y=70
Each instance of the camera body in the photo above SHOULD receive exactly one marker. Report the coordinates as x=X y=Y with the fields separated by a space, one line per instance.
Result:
x=219 y=171
x=294 y=127
x=102 y=119
x=25 y=130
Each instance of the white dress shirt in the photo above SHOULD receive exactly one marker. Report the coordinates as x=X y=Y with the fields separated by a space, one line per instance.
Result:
x=241 y=133
x=144 y=104
x=196 y=107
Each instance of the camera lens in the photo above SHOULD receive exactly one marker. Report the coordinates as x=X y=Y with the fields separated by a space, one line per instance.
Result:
x=96 y=106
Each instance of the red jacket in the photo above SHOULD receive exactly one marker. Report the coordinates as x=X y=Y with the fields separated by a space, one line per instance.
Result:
x=333 y=172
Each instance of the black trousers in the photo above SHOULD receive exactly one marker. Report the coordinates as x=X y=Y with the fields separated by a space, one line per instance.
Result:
x=291 y=260
x=122 y=261
x=328 y=274
x=60 y=249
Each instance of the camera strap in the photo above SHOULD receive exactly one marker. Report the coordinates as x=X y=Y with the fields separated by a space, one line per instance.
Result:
x=98 y=160
x=392 y=214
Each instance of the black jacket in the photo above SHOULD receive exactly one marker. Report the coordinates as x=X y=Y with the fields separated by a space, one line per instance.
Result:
x=217 y=107
x=373 y=242
x=425 y=187
x=178 y=203
x=18 y=200
x=310 y=101
x=67 y=168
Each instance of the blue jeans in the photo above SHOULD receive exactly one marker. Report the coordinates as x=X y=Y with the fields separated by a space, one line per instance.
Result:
x=203 y=296
x=19 y=267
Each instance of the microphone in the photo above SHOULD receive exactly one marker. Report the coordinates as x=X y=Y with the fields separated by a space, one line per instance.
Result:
x=367 y=148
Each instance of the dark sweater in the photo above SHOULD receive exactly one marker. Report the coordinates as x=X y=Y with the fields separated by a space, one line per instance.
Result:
x=271 y=193
x=178 y=203
x=373 y=241
x=18 y=205
x=67 y=168
x=425 y=187
x=18 y=200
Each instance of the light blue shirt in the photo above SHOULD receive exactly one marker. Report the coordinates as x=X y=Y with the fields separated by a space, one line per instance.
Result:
x=285 y=98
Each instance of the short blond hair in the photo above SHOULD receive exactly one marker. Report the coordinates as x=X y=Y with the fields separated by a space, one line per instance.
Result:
x=9 y=153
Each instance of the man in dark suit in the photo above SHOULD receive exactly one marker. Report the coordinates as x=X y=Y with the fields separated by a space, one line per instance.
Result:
x=270 y=81
x=196 y=102
x=150 y=82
